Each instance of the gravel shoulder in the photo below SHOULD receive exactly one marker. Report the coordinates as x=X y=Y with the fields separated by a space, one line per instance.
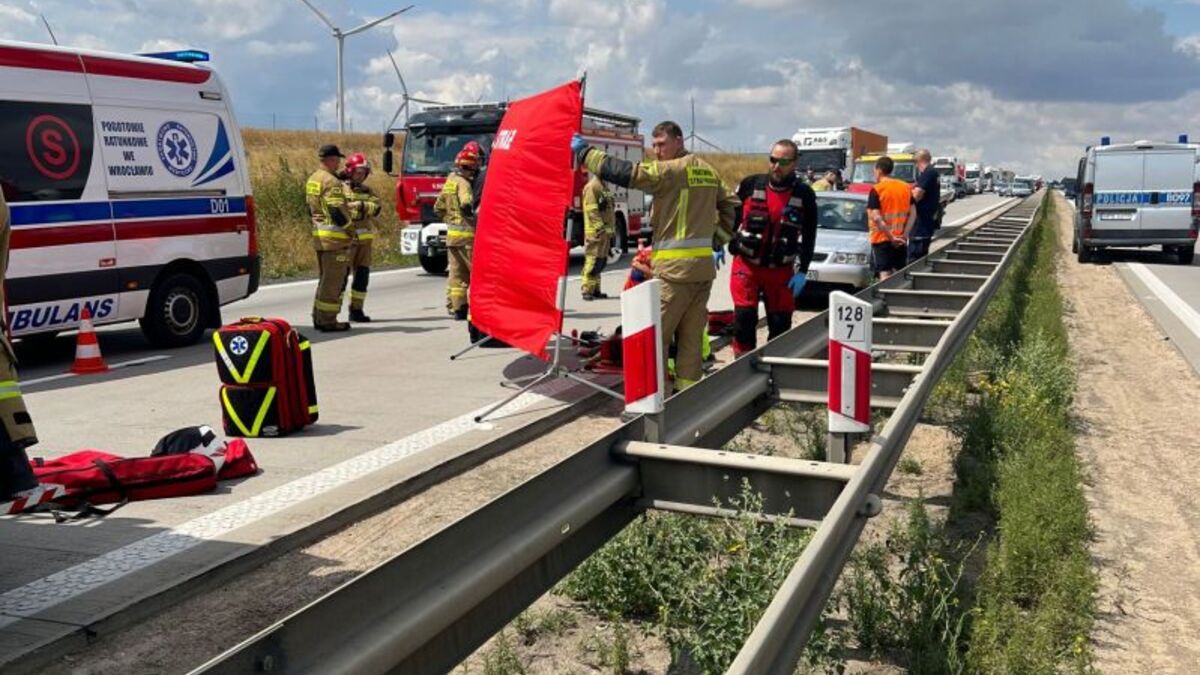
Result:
x=1136 y=405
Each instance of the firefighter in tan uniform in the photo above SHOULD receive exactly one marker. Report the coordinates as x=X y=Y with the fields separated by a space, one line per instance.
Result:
x=455 y=205
x=599 y=212
x=692 y=218
x=332 y=233
x=365 y=208
x=16 y=426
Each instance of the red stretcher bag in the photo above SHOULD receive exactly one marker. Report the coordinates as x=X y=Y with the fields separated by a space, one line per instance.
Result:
x=89 y=478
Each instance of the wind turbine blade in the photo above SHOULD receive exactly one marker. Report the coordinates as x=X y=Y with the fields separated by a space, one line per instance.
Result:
x=320 y=15
x=376 y=22
x=392 y=123
x=403 y=86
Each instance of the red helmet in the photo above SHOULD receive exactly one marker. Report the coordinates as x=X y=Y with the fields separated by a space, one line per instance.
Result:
x=469 y=156
x=357 y=161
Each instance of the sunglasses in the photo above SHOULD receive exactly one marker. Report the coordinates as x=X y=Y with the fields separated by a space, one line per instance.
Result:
x=784 y=161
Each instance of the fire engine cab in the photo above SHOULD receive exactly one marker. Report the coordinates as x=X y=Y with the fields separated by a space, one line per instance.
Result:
x=432 y=138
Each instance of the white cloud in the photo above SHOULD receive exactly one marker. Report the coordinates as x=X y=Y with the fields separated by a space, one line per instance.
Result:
x=161 y=45
x=280 y=49
x=234 y=19
x=10 y=13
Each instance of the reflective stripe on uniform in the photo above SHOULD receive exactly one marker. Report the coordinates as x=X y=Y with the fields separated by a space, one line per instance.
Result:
x=681 y=214
x=330 y=307
x=312 y=187
x=358 y=295
x=365 y=236
x=328 y=231
x=9 y=389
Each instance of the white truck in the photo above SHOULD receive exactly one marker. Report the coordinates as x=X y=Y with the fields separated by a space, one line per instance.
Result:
x=1136 y=195
x=974 y=178
x=835 y=148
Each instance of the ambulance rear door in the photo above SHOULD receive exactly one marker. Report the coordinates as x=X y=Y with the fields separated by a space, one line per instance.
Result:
x=175 y=176
x=62 y=247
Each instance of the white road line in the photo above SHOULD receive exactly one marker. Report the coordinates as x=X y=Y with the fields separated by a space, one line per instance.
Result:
x=1178 y=306
x=114 y=366
x=39 y=595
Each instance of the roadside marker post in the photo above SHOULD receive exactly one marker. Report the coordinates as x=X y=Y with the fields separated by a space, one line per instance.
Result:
x=849 y=373
x=642 y=353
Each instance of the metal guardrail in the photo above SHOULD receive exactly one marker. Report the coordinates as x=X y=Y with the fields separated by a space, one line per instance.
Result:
x=426 y=609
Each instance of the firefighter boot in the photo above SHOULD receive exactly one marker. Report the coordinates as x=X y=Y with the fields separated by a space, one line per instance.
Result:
x=15 y=475
x=745 y=330
x=358 y=316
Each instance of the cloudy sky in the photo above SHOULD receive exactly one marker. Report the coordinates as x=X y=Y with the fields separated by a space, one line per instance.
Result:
x=1021 y=83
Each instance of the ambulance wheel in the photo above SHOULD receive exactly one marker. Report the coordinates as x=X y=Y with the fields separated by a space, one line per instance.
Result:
x=434 y=264
x=175 y=312
x=1186 y=254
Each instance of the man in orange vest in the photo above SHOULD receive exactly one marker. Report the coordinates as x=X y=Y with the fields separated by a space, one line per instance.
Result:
x=890 y=217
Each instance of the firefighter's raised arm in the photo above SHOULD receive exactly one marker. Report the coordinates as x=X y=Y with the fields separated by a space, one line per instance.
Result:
x=648 y=176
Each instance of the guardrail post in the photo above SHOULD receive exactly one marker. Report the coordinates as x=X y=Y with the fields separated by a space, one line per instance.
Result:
x=849 y=373
x=642 y=355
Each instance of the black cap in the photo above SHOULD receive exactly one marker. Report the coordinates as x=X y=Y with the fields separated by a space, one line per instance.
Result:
x=329 y=151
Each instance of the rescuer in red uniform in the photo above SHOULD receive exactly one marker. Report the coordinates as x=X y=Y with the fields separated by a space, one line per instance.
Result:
x=777 y=226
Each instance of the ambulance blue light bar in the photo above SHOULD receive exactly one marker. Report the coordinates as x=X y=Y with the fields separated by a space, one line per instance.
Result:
x=183 y=56
x=1183 y=139
x=1105 y=140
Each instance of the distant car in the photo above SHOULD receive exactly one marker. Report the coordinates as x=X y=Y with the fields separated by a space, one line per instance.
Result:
x=960 y=187
x=1020 y=188
x=947 y=185
x=1004 y=189
x=843 y=251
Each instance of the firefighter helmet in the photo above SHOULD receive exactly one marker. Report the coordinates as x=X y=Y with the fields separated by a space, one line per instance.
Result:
x=469 y=156
x=357 y=161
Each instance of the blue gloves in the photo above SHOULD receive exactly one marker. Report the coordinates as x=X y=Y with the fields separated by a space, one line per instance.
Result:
x=579 y=147
x=796 y=283
x=718 y=257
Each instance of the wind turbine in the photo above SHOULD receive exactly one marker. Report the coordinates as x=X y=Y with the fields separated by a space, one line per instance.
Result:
x=405 y=98
x=693 y=137
x=341 y=35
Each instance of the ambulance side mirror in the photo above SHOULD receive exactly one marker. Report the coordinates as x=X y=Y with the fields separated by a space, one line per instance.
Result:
x=387 y=162
x=389 y=139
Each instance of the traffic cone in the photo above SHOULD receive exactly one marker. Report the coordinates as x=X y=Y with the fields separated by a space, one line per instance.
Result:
x=87 y=348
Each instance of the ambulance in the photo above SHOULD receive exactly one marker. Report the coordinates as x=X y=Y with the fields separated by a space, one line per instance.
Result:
x=126 y=181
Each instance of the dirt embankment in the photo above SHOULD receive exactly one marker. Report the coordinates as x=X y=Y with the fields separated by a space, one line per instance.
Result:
x=1136 y=405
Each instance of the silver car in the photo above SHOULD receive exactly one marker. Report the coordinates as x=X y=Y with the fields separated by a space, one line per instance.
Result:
x=1020 y=188
x=842 y=257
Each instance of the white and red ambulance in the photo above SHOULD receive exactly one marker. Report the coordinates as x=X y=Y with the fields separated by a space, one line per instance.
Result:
x=127 y=183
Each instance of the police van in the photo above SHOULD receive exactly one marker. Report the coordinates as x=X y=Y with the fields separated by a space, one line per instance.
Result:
x=1136 y=195
x=126 y=181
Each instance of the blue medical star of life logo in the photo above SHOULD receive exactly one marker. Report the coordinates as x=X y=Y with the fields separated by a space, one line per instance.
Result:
x=239 y=345
x=177 y=149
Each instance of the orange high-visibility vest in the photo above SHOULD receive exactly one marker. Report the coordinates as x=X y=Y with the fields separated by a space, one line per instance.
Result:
x=895 y=201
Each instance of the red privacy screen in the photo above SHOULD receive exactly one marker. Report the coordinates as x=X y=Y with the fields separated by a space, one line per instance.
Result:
x=520 y=253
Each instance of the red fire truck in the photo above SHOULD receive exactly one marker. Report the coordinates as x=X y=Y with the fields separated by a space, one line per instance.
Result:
x=434 y=136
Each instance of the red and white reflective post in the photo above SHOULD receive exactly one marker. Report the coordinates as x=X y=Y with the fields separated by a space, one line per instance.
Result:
x=642 y=352
x=849 y=372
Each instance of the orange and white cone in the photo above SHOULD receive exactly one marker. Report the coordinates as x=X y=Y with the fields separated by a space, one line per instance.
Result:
x=87 y=348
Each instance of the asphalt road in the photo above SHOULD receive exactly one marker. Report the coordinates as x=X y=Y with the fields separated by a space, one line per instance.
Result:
x=392 y=406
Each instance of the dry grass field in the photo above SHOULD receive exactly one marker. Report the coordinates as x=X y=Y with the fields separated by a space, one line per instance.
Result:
x=280 y=161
